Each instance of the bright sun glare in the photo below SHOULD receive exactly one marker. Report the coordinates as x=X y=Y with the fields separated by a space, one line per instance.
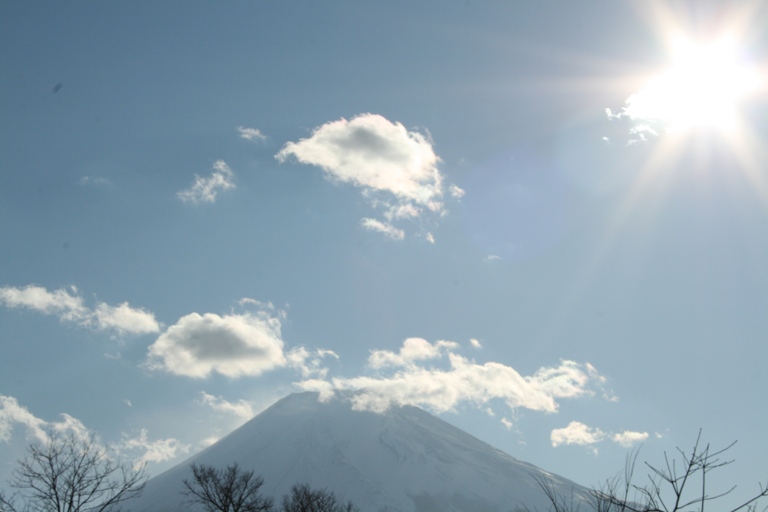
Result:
x=701 y=89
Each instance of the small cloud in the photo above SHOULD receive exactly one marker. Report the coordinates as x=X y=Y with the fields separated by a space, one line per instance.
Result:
x=13 y=414
x=127 y=402
x=576 y=433
x=383 y=227
x=308 y=362
x=205 y=190
x=143 y=450
x=475 y=343
x=94 y=181
x=580 y=434
x=628 y=438
x=395 y=168
x=69 y=307
x=492 y=257
x=251 y=133
x=242 y=408
x=430 y=238
x=413 y=349
x=456 y=192
x=124 y=319
x=233 y=345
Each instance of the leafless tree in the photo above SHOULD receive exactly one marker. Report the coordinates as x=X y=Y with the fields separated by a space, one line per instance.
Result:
x=682 y=484
x=226 y=490
x=71 y=473
x=302 y=498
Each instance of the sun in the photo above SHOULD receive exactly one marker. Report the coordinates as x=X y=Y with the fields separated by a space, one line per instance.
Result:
x=700 y=89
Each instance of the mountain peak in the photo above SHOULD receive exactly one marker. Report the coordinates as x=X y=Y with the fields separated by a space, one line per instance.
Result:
x=404 y=459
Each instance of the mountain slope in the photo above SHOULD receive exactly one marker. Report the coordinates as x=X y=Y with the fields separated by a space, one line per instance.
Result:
x=405 y=459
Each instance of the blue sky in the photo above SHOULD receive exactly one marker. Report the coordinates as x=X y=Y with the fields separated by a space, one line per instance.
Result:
x=547 y=222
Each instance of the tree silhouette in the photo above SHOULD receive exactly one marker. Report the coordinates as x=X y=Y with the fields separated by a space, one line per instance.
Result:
x=682 y=484
x=71 y=473
x=226 y=490
x=302 y=498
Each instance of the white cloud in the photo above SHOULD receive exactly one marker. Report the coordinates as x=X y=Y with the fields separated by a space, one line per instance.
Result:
x=395 y=167
x=69 y=307
x=124 y=318
x=242 y=408
x=492 y=257
x=94 y=181
x=411 y=380
x=309 y=363
x=372 y=152
x=456 y=191
x=475 y=343
x=628 y=437
x=576 y=433
x=233 y=345
x=251 y=133
x=204 y=190
x=143 y=451
x=413 y=349
x=139 y=449
x=13 y=414
x=580 y=434
x=430 y=238
x=383 y=227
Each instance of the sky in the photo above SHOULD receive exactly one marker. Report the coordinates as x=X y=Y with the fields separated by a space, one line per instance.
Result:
x=546 y=222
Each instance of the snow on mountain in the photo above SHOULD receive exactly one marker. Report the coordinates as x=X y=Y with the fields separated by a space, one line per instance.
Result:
x=404 y=459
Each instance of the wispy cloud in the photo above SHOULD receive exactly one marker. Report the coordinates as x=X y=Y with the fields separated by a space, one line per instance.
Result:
x=205 y=190
x=94 y=181
x=383 y=227
x=396 y=168
x=576 y=433
x=627 y=438
x=234 y=345
x=580 y=434
x=413 y=376
x=242 y=408
x=309 y=362
x=69 y=306
x=251 y=133
x=142 y=450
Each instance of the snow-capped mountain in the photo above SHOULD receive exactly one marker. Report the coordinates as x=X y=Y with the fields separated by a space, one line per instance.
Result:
x=402 y=460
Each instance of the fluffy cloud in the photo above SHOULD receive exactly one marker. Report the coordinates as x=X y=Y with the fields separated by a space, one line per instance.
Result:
x=413 y=349
x=383 y=227
x=251 y=133
x=412 y=381
x=139 y=448
x=13 y=414
x=576 y=433
x=242 y=408
x=142 y=450
x=233 y=345
x=395 y=167
x=309 y=362
x=69 y=307
x=628 y=437
x=580 y=434
x=204 y=190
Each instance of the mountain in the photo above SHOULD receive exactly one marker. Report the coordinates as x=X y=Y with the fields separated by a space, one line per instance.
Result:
x=404 y=459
